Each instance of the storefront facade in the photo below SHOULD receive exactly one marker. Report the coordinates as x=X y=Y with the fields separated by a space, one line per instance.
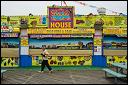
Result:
x=71 y=40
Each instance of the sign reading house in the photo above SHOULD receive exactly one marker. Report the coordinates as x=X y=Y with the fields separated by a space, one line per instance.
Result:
x=61 y=17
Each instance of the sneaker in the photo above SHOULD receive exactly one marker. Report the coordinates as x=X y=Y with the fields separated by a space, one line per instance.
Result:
x=51 y=71
x=41 y=71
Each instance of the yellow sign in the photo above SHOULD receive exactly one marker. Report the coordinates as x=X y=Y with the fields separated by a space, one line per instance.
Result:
x=115 y=31
x=109 y=21
x=3 y=19
x=79 y=21
x=97 y=42
x=9 y=62
x=84 y=21
x=24 y=42
x=120 y=21
x=5 y=28
x=16 y=30
x=61 y=31
x=60 y=24
x=63 y=60
x=14 y=21
x=116 y=59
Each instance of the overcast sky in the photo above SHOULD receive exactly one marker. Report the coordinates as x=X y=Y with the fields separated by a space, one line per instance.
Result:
x=13 y=8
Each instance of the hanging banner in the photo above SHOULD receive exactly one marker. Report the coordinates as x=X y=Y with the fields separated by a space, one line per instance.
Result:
x=61 y=31
x=61 y=17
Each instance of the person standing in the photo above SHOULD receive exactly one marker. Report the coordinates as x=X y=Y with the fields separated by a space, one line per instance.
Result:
x=45 y=55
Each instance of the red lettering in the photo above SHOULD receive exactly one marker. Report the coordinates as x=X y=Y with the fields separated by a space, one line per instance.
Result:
x=4 y=27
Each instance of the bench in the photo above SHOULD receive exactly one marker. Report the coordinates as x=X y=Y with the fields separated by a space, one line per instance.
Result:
x=113 y=73
x=3 y=71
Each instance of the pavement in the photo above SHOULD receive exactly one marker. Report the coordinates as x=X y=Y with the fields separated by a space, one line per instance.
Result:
x=26 y=76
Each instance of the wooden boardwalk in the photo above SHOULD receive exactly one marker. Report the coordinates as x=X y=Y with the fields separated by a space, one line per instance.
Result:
x=57 y=77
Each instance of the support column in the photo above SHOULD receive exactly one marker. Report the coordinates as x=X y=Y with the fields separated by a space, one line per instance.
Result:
x=98 y=59
x=25 y=59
